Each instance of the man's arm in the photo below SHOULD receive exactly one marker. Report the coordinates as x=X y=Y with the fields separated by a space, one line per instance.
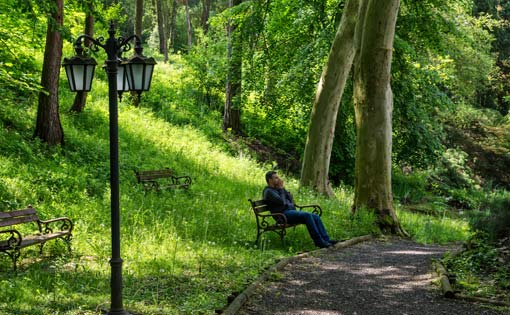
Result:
x=273 y=197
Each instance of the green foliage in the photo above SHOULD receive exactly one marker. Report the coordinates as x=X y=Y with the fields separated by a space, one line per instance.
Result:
x=441 y=59
x=208 y=71
x=284 y=45
x=20 y=32
x=343 y=153
x=495 y=94
x=482 y=268
x=418 y=99
x=494 y=220
x=408 y=186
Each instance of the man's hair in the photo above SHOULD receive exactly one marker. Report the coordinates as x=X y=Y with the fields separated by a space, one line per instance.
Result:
x=269 y=175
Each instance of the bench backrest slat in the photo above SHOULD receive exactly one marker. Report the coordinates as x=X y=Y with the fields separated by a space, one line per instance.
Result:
x=259 y=206
x=149 y=175
x=18 y=216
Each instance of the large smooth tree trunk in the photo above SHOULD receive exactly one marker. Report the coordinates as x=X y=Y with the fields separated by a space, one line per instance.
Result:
x=81 y=97
x=48 y=126
x=232 y=113
x=373 y=101
x=319 y=143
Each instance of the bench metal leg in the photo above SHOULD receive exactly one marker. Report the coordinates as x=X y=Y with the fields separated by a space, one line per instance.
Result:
x=68 y=239
x=258 y=237
x=282 y=234
x=14 y=255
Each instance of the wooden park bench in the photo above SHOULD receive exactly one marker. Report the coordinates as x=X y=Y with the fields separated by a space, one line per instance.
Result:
x=162 y=179
x=12 y=240
x=275 y=222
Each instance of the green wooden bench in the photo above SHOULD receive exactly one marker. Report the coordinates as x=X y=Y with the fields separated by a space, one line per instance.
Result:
x=275 y=222
x=12 y=240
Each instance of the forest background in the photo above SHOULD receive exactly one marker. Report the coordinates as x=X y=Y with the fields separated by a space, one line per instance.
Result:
x=258 y=61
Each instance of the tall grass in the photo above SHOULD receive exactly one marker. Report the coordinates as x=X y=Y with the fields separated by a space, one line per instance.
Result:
x=184 y=251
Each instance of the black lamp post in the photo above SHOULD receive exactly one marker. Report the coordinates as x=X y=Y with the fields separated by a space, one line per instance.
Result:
x=80 y=70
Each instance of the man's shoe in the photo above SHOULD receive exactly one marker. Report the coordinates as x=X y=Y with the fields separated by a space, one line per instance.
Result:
x=324 y=245
x=333 y=242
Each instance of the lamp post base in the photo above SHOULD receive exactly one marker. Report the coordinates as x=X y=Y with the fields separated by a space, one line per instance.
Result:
x=109 y=312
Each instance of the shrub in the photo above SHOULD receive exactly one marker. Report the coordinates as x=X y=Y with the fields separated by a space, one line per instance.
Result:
x=495 y=220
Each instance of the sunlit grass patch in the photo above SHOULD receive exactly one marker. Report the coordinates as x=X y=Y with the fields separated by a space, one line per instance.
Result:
x=433 y=229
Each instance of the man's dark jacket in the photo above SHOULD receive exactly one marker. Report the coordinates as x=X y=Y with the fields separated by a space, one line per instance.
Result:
x=278 y=199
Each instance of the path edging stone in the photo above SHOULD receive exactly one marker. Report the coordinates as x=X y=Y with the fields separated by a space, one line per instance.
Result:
x=446 y=287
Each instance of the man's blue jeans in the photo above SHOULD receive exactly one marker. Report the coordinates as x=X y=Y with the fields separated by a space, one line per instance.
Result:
x=313 y=223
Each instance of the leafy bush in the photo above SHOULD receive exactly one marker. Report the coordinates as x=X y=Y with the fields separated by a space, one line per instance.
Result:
x=409 y=186
x=482 y=268
x=494 y=219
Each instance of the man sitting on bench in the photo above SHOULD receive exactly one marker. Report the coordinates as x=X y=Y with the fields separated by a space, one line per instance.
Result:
x=279 y=200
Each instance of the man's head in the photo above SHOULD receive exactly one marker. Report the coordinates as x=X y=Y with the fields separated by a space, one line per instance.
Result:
x=273 y=180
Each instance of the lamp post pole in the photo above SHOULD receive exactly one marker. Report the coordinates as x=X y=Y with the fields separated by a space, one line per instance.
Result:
x=138 y=71
x=112 y=47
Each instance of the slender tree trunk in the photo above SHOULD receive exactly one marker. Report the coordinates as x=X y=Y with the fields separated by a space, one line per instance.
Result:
x=206 y=9
x=48 y=126
x=164 y=15
x=321 y=133
x=81 y=97
x=138 y=17
x=188 y=25
x=138 y=32
x=161 y=27
x=172 y=27
x=232 y=114
x=373 y=102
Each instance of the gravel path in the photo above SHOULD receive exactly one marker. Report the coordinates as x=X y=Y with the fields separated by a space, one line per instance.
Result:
x=372 y=278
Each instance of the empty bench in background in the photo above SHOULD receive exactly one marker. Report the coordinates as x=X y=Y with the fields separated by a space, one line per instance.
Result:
x=275 y=222
x=162 y=179
x=12 y=240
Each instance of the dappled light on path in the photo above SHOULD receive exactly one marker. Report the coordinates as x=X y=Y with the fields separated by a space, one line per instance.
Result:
x=373 y=278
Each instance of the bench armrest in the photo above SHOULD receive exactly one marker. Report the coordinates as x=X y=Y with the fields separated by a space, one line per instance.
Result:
x=177 y=180
x=66 y=224
x=314 y=209
x=280 y=218
x=13 y=240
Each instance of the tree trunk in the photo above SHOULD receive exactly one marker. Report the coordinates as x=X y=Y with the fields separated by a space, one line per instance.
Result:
x=172 y=27
x=231 y=114
x=138 y=32
x=138 y=17
x=188 y=24
x=81 y=97
x=48 y=127
x=164 y=14
x=315 y=168
x=161 y=28
x=373 y=103
x=206 y=8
